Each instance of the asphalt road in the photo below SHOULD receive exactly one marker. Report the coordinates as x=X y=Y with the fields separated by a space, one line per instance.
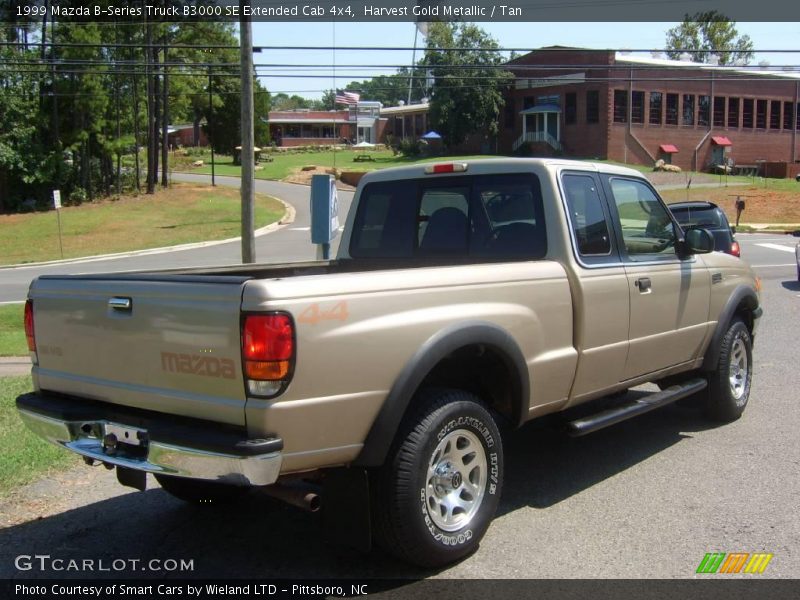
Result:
x=644 y=499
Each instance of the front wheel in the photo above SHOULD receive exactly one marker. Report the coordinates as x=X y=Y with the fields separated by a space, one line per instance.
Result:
x=729 y=384
x=438 y=492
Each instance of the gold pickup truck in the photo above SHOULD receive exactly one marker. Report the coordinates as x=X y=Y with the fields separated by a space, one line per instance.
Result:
x=467 y=298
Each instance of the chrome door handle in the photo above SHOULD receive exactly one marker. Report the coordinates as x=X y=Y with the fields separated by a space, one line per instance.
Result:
x=118 y=303
x=644 y=284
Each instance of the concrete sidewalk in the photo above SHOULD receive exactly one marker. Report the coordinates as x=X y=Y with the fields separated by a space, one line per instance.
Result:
x=14 y=365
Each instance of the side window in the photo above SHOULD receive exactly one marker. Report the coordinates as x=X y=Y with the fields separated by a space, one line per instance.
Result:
x=586 y=214
x=647 y=229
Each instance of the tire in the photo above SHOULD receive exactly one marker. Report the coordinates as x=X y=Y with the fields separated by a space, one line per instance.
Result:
x=196 y=491
x=436 y=495
x=729 y=384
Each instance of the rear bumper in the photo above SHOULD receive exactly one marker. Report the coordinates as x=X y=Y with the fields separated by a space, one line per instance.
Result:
x=155 y=443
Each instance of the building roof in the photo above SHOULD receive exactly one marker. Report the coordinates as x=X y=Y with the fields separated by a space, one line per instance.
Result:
x=755 y=70
x=541 y=108
x=407 y=108
x=300 y=121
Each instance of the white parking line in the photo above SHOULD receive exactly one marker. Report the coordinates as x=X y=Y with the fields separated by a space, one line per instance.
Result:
x=773 y=266
x=761 y=240
x=777 y=247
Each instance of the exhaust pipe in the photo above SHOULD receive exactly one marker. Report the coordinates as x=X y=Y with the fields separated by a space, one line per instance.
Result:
x=302 y=497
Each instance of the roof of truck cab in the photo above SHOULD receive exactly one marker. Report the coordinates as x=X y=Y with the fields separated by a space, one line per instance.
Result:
x=488 y=165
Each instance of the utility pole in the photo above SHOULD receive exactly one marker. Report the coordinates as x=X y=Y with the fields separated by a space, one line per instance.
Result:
x=210 y=118
x=165 y=121
x=248 y=155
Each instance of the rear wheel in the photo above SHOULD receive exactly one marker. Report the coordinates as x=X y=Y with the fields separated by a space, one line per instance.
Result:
x=729 y=384
x=196 y=491
x=436 y=495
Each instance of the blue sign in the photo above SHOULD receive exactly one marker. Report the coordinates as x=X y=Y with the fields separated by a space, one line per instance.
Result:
x=324 y=209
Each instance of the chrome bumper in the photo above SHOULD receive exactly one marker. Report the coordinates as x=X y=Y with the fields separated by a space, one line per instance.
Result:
x=86 y=438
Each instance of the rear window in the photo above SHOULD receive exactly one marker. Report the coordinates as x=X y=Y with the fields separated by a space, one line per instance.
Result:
x=706 y=217
x=490 y=216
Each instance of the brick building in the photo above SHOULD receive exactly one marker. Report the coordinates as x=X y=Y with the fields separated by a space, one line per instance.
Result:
x=408 y=121
x=186 y=135
x=605 y=104
x=359 y=123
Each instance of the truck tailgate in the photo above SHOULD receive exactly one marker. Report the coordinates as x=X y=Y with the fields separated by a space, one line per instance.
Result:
x=163 y=343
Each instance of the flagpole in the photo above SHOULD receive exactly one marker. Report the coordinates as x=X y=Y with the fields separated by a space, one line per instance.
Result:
x=413 y=62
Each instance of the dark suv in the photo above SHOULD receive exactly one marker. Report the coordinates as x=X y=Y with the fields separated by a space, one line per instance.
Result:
x=711 y=217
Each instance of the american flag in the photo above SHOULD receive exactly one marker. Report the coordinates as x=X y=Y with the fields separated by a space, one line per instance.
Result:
x=347 y=97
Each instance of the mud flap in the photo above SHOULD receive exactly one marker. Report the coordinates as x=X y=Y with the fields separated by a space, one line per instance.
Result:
x=132 y=478
x=345 y=508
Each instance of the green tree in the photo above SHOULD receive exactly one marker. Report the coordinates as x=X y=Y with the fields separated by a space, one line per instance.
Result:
x=286 y=102
x=328 y=101
x=23 y=161
x=468 y=81
x=709 y=33
x=391 y=89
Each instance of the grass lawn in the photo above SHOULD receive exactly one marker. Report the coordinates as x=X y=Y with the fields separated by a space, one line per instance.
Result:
x=12 y=331
x=181 y=214
x=25 y=457
x=287 y=163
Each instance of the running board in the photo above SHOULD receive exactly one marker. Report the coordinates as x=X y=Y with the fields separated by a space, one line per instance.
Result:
x=629 y=410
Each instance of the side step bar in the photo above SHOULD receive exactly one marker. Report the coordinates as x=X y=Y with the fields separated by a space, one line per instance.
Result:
x=629 y=410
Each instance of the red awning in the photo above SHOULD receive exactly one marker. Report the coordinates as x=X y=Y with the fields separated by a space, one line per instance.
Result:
x=668 y=148
x=721 y=140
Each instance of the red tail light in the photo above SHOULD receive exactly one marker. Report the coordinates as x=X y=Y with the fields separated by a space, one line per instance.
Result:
x=446 y=168
x=268 y=350
x=29 y=326
x=735 y=250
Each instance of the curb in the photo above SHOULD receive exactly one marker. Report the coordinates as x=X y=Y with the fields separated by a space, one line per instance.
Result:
x=287 y=219
x=13 y=366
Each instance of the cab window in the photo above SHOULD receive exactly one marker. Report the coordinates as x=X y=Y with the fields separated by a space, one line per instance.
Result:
x=589 y=224
x=648 y=232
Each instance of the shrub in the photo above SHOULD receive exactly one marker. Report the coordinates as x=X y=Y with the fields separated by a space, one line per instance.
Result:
x=77 y=197
x=410 y=147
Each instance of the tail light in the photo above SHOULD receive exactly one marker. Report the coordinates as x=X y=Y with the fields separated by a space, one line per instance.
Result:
x=735 y=249
x=446 y=168
x=29 y=334
x=268 y=350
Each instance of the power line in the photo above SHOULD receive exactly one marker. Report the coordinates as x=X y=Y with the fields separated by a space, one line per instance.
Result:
x=547 y=50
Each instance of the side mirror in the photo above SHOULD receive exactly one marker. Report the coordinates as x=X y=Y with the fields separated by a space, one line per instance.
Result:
x=733 y=230
x=698 y=241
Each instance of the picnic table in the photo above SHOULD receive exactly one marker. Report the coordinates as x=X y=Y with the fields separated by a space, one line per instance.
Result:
x=363 y=152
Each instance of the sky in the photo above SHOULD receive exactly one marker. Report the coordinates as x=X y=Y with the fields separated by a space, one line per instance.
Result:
x=528 y=35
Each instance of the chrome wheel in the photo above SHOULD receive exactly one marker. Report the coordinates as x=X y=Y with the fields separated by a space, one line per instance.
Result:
x=456 y=480
x=737 y=372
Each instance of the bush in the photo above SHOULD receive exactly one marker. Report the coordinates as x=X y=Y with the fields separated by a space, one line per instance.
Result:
x=77 y=197
x=410 y=147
